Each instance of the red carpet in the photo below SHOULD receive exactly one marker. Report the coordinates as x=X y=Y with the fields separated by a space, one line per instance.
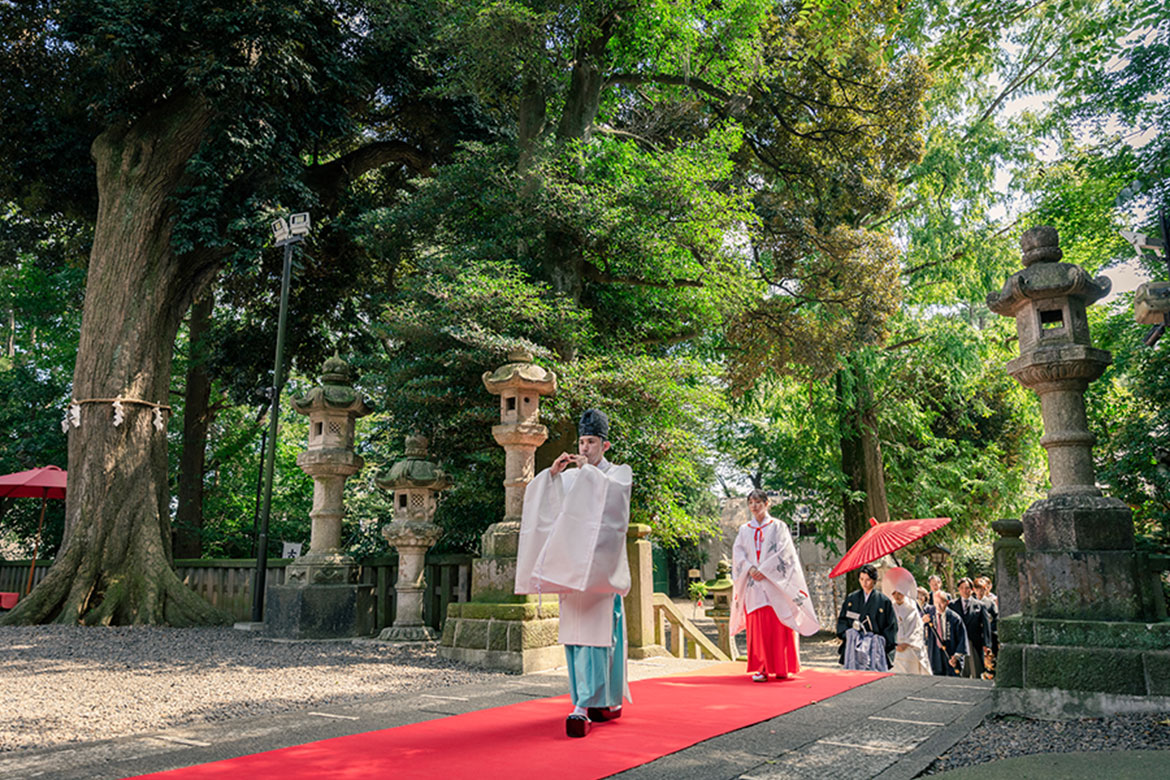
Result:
x=527 y=740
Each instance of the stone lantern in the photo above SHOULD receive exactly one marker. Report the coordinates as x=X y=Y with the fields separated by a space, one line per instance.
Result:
x=414 y=480
x=498 y=629
x=1082 y=584
x=519 y=383
x=320 y=596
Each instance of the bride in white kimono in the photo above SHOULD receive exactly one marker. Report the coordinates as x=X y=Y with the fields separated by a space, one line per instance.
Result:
x=770 y=598
x=910 y=651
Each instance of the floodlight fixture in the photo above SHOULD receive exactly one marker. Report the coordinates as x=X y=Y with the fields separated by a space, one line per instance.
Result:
x=298 y=224
x=280 y=231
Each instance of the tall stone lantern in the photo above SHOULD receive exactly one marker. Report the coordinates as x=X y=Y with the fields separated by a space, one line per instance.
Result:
x=498 y=629
x=413 y=481
x=519 y=383
x=1082 y=584
x=320 y=596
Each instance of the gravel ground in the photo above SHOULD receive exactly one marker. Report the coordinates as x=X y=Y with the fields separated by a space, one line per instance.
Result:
x=61 y=684
x=1009 y=736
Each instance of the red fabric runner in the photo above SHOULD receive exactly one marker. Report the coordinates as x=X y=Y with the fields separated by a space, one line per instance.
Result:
x=527 y=740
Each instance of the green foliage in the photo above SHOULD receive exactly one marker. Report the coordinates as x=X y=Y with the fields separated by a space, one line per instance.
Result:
x=41 y=285
x=1129 y=412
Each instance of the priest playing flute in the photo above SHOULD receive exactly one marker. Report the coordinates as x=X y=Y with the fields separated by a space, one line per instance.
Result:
x=573 y=543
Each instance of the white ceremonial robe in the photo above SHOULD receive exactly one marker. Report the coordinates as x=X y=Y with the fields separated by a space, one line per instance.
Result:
x=912 y=660
x=783 y=588
x=573 y=543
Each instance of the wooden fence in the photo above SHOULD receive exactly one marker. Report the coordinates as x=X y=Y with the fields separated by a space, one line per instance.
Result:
x=227 y=583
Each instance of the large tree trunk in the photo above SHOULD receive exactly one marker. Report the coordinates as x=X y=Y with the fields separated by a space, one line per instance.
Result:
x=196 y=421
x=114 y=566
x=861 y=458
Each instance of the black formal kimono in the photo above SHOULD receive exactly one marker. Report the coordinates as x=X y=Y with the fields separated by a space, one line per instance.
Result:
x=876 y=616
x=977 y=622
x=945 y=639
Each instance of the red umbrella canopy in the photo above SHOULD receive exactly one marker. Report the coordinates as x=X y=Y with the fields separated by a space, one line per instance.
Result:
x=45 y=482
x=883 y=538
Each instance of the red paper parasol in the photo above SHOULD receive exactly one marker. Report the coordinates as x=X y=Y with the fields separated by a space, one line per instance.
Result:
x=883 y=538
x=43 y=483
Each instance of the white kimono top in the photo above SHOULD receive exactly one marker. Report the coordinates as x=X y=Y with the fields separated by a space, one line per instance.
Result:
x=912 y=660
x=768 y=546
x=573 y=543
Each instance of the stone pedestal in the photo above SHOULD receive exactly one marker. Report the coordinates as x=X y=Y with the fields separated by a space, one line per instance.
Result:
x=412 y=540
x=1087 y=639
x=319 y=611
x=499 y=629
x=1006 y=551
x=639 y=602
x=320 y=597
x=516 y=638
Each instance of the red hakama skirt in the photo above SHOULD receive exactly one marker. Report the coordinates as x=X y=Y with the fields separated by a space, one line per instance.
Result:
x=773 y=647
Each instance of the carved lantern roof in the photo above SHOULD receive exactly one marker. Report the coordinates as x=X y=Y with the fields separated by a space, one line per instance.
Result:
x=1044 y=276
x=335 y=391
x=414 y=470
x=520 y=373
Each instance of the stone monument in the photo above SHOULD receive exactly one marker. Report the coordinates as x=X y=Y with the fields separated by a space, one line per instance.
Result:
x=497 y=628
x=320 y=596
x=1090 y=636
x=414 y=480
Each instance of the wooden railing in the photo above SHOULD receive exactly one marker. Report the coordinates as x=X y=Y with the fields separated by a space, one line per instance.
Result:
x=227 y=583
x=685 y=640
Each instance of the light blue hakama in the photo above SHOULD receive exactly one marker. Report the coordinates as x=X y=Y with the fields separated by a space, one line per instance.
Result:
x=597 y=674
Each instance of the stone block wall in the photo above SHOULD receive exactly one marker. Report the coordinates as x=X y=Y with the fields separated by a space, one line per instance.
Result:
x=1063 y=668
x=517 y=638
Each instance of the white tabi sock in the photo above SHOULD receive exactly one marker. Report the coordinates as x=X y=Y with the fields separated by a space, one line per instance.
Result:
x=578 y=711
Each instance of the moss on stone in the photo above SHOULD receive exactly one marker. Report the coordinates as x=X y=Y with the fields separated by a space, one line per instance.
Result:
x=1009 y=667
x=471 y=633
x=497 y=635
x=1084 y=669
x=1157 y=665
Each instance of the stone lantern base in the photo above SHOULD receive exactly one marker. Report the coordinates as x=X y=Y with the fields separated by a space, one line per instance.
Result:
x=319 y=611
x=516 y=638
x=1090 y=637
x=408 y=634
x=1081 y=668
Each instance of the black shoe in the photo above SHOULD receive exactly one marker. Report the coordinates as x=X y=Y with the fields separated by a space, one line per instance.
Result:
x=577 y=726
x=601 y=714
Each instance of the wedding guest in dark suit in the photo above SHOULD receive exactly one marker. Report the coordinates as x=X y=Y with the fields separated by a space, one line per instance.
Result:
x=977 y=622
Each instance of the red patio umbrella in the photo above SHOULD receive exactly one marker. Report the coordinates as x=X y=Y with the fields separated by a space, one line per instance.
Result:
x=44 y=483
x=883 y=538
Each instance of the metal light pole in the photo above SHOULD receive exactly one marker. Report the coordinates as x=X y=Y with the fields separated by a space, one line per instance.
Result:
x=286 y=234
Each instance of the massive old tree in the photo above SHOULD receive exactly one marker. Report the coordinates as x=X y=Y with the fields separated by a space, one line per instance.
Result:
x=196 y=116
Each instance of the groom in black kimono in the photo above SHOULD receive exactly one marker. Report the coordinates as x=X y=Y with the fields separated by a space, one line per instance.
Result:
x=868 y=610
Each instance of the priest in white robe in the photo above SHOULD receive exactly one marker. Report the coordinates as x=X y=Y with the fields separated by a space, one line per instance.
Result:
x=573 y=543
x=770 y=596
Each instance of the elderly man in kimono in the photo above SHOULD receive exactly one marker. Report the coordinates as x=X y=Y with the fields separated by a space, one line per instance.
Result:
x=770 y=597
x=573 y=543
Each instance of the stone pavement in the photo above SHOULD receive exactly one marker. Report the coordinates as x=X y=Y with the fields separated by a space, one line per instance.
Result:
x=891 y=728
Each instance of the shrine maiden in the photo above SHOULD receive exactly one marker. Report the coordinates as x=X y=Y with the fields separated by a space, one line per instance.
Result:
x=573 y=543
x=770 y=598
